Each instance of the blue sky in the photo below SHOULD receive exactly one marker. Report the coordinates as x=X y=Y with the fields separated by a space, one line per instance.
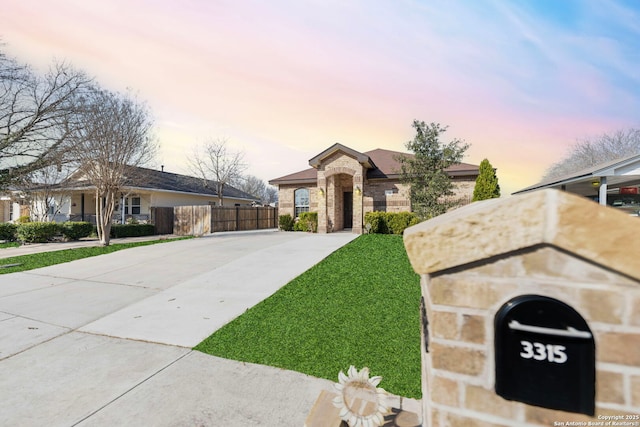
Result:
x=521 y=81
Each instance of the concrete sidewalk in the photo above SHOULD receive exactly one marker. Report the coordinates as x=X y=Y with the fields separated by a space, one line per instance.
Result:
x=106 y=341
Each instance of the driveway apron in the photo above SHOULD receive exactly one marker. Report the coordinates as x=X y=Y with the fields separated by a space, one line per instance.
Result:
x=107 y=340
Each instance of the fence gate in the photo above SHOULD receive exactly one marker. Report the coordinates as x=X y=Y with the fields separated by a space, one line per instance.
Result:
x=162 y=218
x=192 y=220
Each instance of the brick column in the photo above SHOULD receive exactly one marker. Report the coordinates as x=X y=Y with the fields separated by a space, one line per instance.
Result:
x=322 y=203
x=544 y=244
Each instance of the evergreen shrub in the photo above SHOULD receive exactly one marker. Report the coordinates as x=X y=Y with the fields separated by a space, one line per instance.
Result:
x=75 y=230
x=308 y=221
x=378 y=221
x=37 y=232
x=132 y=230
x=286 y=222
x=8 y=231
x=390 y=222
x=399 y=221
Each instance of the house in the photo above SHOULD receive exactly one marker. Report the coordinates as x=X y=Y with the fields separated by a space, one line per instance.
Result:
x=615 y=183
x=144 y=189
x=12 y=206
x=343 y=184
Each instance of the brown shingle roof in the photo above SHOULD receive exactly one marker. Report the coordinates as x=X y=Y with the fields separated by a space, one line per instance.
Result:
x=385 y=166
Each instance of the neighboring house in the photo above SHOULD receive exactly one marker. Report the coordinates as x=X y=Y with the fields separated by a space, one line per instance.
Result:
x=145 y=189
x=12 y=206
x=344 y=184
x=615 y=183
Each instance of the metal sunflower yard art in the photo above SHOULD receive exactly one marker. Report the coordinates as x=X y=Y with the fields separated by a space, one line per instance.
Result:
x=361 y=402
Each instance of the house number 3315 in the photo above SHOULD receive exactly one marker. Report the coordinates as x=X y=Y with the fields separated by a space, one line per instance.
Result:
x=539 y=351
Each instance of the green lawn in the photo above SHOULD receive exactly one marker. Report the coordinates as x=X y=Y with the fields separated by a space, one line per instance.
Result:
x=45 y=259
x=360 y=306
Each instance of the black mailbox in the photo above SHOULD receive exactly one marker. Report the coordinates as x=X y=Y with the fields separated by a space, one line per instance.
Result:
x=545 y=355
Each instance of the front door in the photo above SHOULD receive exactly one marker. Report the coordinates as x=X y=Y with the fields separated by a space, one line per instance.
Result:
x=348 y=209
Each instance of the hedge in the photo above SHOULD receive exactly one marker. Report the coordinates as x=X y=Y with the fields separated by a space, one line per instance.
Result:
x=37 y=232
x=76 y=230
x=308 y=221
x=389 y=222
x=132 y=230
x=8 y=231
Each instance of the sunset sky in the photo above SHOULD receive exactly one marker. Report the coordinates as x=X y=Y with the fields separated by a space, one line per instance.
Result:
x=519 y=80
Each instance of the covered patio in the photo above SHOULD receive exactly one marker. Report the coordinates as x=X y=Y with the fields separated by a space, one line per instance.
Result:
x=615 y=183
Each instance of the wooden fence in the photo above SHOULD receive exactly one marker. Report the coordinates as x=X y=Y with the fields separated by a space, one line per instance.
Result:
x=199 y=220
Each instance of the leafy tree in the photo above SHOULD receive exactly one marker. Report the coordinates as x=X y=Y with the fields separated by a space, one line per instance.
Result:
x=592 y=151
x=35 y=116
x=112 y=133
x=487 y=186
x=431 y=189
x=213 y=161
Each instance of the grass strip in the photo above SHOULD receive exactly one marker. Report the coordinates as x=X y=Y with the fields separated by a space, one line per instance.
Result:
x=359 y=306
x=45 y=259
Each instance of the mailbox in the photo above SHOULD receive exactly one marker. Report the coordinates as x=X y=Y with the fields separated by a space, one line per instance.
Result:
x=544 y=355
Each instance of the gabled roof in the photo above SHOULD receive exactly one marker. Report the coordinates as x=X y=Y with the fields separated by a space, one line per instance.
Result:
x=151 y=179
x=360 y=157
x=625 y=170
x=380 y=164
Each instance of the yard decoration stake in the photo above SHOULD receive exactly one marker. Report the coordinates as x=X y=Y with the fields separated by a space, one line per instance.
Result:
x=361 y=402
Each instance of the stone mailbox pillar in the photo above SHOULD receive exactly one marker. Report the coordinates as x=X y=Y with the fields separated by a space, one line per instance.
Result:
x=531 y=313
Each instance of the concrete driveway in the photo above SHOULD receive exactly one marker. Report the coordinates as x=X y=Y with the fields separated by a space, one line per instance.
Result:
x=106 y=341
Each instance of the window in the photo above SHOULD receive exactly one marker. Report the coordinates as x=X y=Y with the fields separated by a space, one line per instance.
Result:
x=388 y=192
x=301 y=196
x=132 y=206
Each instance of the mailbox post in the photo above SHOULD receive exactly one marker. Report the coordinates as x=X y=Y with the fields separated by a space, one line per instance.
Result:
x=531 y=312
x=544 y=355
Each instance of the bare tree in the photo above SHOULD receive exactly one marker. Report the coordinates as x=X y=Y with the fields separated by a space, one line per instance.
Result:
x=256 y=187
x=35 y=112
x=213 y=161
x=43 y=192
x=112 y=134
x=590 y=152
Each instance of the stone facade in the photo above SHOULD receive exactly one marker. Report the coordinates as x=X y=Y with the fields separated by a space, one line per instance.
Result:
x=346 y=184
x=548 y=243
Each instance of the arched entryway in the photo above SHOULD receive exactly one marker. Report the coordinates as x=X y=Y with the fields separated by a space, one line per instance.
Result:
x=340 y=201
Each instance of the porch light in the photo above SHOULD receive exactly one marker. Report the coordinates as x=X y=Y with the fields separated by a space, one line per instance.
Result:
x=321 y=192
x=358 y=191
x=595 y=183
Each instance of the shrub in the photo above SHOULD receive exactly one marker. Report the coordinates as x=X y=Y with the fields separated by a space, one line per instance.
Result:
x=8 y=231
x=37 y=232
x=76 y=230
x=378 y=221
x=23 y=219
x=399 y=221
x=308 y=221
x=132 y=230
x=286 y=222
x=390 y=222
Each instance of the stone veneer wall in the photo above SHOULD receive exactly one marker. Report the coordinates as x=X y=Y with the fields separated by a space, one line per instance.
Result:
x=339 y=173
x=478 y=257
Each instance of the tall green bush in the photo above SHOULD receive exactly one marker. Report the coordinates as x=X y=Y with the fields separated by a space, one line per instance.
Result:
x=487 y=186
x=308 y=221
x=37 y=232
x=76 y=230
x=8 y=231
x=286 y=222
